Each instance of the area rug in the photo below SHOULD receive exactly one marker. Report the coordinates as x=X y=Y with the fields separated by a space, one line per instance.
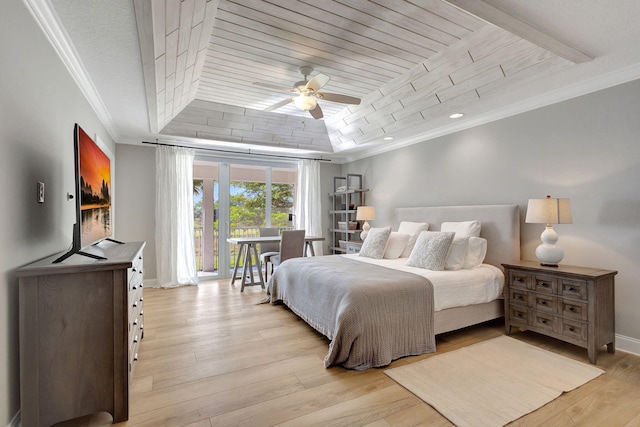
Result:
x=493 y=382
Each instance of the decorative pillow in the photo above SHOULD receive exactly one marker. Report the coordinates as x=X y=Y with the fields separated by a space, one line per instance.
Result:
x=413 y=229
x=476 y=252
x=431 y=249
x=462 y=228
x=396 y=244
x=457 y=253
x=375 y=243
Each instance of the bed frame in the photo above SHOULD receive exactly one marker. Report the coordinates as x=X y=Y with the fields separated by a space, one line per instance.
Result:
x=501 y=228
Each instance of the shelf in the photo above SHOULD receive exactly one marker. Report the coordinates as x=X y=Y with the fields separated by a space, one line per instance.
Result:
x=357 y=190
x=350 y=211
x=342 y=230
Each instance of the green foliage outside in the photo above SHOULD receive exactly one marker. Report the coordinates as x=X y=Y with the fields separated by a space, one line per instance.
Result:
x=247 y=209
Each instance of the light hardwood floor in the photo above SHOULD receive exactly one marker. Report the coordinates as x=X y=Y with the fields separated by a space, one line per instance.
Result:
x=211 y=356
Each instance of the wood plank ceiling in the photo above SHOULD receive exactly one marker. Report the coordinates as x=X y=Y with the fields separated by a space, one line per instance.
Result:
x=411 y=62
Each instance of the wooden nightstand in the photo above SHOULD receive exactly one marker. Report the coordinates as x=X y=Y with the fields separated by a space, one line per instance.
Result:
x=353 y=247
x=573 y=304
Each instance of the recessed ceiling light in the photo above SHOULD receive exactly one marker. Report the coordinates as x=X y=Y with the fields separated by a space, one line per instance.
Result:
x=388 y=138
x=456 y=115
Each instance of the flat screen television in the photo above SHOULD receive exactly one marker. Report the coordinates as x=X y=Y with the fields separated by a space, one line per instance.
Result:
x=92 y=195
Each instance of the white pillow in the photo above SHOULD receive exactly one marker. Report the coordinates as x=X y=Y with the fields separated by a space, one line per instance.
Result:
x=457 y=253
x=396 y=244
x=413 y=229
x=476 y=252
x=462 y=228
x=430 y=250
x=375 y=243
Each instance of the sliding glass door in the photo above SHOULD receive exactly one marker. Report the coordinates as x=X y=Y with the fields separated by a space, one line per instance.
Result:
x=233 y=199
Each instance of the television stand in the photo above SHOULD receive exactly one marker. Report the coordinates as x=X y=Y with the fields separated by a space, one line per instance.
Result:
x=73 y=252
x=109 y=239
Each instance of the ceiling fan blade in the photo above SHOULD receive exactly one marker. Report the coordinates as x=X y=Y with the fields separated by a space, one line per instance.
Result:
x=316 y=113
x=335 y=97
x=272 y=86
x=317 y=82
x=278 y=104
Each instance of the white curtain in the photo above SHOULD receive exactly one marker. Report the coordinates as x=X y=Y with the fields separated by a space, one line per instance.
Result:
x=308 y=214
x=175 y=252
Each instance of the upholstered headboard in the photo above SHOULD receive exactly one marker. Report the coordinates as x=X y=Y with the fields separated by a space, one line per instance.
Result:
x=500 y=225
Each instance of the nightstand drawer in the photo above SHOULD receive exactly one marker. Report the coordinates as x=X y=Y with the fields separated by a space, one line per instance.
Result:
x=573 y=289
x=544 y=303
x=544 y=321
x=519 y=316
x=518 y=280
x=573 y=329
x=518 y=296
x=545 y=284
x=573 y=309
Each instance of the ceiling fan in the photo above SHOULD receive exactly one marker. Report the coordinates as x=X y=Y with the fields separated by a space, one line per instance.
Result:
x=307 y=94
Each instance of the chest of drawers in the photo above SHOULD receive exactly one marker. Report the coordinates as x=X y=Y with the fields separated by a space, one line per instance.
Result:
x=573 y=304
x=81 y=322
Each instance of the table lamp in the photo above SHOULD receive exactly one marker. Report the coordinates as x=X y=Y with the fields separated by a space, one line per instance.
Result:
x=549 y=211
x=365 y=213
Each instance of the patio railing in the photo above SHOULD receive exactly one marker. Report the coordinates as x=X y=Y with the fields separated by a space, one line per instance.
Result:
x=235 y=232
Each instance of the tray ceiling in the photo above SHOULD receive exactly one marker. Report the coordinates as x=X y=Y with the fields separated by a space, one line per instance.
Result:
x=412 y=63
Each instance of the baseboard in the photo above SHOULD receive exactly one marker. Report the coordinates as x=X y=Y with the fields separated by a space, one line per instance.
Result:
x=628 y=344
x=150 y=283
x=16 y=421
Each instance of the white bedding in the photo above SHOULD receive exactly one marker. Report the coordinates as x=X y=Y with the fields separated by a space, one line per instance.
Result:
x=452 y=288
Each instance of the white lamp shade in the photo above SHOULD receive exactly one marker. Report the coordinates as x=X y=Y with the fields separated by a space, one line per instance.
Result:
x=364 y=213
x=305 y=102
x=549 y=211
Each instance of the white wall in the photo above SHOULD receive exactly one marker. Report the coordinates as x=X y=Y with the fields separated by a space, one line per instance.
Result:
x=39 y=104
x=586 y=149
x=135 y=200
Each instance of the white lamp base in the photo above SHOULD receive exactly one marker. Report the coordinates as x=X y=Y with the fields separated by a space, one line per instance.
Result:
x=365 y=230
x=548 y=253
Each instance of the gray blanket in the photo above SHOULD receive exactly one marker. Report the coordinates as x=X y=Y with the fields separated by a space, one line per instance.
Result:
x=371 y=314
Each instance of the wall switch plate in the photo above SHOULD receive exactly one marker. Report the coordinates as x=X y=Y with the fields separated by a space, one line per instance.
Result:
x=40 y=192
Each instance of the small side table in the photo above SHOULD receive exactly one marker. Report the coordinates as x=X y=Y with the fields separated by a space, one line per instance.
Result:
x=572 y=304
x=354 y=246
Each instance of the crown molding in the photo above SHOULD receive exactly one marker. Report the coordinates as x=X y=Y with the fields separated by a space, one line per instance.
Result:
x=46 y=18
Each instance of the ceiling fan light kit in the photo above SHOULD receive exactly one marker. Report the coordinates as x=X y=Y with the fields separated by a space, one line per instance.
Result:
x=308 y=95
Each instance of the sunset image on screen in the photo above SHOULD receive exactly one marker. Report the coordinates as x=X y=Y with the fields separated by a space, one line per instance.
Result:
x=95 y=174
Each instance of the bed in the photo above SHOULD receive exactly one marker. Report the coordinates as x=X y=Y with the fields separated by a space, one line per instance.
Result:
x=376 y=311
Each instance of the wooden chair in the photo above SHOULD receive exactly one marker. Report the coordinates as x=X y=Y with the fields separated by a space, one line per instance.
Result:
x=291 y=246
x=267 y=250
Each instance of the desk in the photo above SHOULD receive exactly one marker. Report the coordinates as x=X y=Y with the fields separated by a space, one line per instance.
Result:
x=247 y=245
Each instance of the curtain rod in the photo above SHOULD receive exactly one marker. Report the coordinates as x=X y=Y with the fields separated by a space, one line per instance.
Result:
x=249 y=153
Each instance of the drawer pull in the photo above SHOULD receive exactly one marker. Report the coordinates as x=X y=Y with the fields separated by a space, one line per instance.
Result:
x=570 y=289
x=134 y=287
x=543 y=321
x=519 y=297
x=135 y=304
x=544 y=284
x=141 y=312
x=572 y=329
x=135 y=357
x=135 y=339
x=135 y=322
x=572 y=309
x=142 y=285
x=141 y=298
x=543 y=302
